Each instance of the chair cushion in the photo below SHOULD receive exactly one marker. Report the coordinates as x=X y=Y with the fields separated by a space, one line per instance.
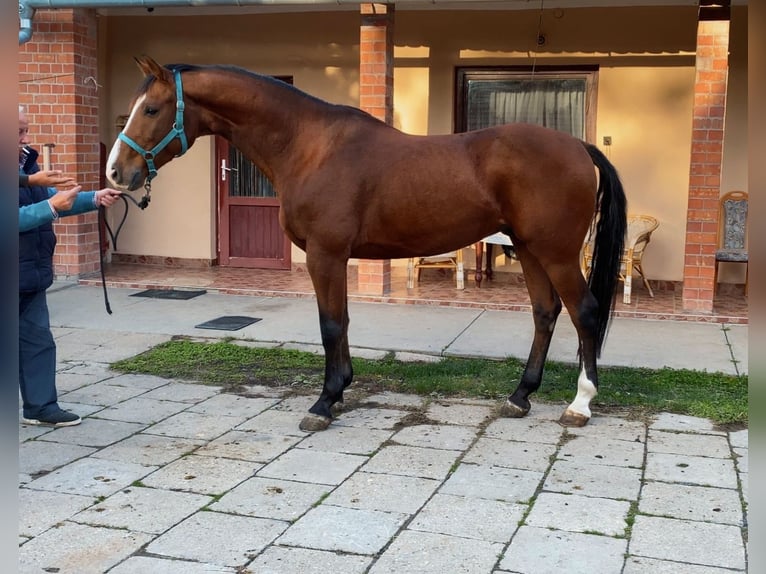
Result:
x=734 y=255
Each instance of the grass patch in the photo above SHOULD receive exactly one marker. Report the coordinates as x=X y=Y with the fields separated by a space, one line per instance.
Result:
x=719 y=397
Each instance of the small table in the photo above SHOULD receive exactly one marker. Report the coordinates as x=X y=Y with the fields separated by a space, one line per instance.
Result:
x=498 y=238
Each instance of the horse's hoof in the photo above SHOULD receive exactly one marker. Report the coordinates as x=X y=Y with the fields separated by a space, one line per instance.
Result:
x=512 y=411
x=337 y=408
x=573 y=419
x=312 y=422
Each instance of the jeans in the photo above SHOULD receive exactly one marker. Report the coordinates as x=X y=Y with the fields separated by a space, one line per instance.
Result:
x=37 y=356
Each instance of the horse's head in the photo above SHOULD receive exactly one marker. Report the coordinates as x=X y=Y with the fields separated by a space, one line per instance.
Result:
x=155 y=132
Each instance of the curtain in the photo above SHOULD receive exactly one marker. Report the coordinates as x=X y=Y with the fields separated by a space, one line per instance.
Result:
x=557 y=103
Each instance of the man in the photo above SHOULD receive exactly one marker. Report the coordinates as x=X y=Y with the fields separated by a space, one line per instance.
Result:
x=39 y=206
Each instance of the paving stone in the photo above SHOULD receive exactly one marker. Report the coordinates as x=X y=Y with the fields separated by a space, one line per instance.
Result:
x=251 y=446
x=701 y=503
x=458 y=414
x=142 y=410
x=579 y=514
x=406 y=357
x=141 y=509
x=289 y=560
x=594 y=480
x=297 y=404
x=387 y=492
x=351 y=440
x=40 y=510
x=195 y=425
x=675 y=422
x=138 y=381
x=684 y=541
x=148 y=449
x=29 y=432
x=104 y=393
x=275 y=422
x=271 y=498
x=613 y=428
x=741 y=459
x=216 y=538
x=602 y=450
x=95 y=432
x=183 y=393
x=543 y=551
x=374 y=418
x=77 y=548
x=413 y=461
x=510 y=454
x=146 y=564
x=313 y=466
x=396 y=400
x=68 y=381
x=369 y=354
x=91 y=477
x=429 y=553
x=41 y=456
x=233 y=406
x=640 y=565
x=691 y=469
x=447 y=437
x=529 y=430
x=689 y=444
x=343 y=529
x=490 y=520
x=493 y=483
x=202 y=474
x=739 y=439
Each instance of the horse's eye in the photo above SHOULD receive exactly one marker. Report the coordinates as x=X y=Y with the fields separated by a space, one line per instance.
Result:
x=150 y=111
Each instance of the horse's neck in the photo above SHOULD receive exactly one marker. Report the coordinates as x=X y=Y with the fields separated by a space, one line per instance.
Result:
x=261 y=127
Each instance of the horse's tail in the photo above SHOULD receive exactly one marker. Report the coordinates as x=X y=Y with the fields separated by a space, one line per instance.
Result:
x=611 y=225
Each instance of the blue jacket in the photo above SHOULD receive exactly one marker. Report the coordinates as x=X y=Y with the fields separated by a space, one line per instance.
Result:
x=37 y=240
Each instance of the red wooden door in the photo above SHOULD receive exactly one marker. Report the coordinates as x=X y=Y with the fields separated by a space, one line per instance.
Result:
x=249 y=231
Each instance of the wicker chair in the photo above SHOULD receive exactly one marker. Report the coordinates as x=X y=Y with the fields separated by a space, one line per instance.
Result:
x=639 y=233
x=732 y=233
x=452 y=260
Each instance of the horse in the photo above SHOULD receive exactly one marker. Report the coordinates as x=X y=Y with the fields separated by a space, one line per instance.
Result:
x=351 y=186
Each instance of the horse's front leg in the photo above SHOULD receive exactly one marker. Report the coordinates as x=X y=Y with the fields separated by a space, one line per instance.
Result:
x=329 y=278
x=546 y=307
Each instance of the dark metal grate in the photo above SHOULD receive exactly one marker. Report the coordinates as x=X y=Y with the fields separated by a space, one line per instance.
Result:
x=228 y=323
x=180 y=294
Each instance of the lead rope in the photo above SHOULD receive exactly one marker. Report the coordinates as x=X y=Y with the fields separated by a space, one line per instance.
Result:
x=103 y=224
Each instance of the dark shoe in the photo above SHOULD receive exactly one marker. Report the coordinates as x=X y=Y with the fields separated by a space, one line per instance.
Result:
x=60 y=418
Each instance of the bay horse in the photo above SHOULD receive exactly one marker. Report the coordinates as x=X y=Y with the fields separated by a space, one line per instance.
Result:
x=351 y=186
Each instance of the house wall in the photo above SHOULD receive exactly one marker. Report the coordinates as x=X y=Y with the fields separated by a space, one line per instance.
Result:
x=645 y=90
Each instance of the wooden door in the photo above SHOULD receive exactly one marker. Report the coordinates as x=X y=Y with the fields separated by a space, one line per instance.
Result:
x=249 y=231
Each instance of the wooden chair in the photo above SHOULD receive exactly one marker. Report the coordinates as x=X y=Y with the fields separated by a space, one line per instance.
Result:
x=452 y=260
x=639 y=233
x=732 y=233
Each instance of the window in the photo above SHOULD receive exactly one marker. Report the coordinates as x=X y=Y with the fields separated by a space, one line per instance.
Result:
x=562 y=99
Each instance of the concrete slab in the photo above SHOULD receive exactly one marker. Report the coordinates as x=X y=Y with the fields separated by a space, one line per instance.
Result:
x=386 y=492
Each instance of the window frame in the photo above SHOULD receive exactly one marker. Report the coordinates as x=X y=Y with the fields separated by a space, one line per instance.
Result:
x=465 y=74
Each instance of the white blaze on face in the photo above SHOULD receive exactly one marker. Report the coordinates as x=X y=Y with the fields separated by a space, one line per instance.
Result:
x=112 y=159
x=586 y=390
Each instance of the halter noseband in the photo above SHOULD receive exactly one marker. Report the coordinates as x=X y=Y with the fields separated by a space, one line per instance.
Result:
x=177 y=131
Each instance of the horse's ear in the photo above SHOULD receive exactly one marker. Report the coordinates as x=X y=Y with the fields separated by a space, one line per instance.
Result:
x=151 y=68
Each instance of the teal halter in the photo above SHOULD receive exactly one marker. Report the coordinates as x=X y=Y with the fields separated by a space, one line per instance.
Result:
x=177 y=131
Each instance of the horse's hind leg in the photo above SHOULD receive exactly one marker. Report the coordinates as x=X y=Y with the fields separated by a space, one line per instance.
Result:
x=329 y=278
x=546 y=307
x=583 y=310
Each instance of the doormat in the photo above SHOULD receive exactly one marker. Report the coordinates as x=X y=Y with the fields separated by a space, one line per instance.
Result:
x=228 y=323
x=180 y=294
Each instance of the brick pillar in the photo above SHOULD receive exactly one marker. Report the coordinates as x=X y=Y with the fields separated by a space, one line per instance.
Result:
x=706 y=158
x=376 y=96
x=57 y=84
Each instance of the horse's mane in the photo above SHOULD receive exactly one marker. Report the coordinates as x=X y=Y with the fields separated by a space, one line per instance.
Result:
x=260 y=77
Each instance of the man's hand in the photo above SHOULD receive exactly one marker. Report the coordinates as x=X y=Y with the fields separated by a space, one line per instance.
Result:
x=107 y=196
x=51 y=179
x=64 y=198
